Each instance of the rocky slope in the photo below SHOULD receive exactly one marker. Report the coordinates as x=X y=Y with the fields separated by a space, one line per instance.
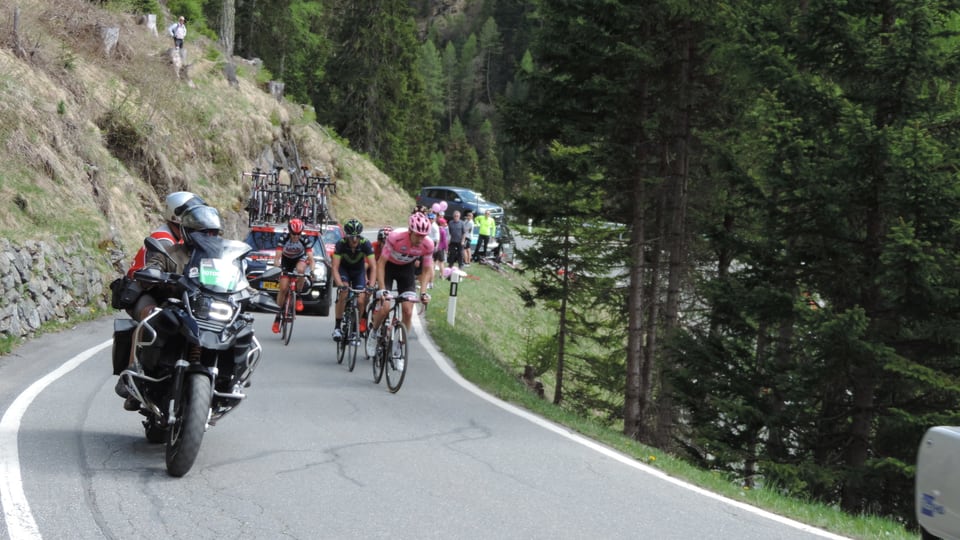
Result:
x=95 y=132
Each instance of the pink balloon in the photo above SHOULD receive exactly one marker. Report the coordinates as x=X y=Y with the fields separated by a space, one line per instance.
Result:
x=447 y=272
x=435 y=208
x=443 y=206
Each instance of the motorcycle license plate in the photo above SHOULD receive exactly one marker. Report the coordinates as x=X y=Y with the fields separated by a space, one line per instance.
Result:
x=271 y=285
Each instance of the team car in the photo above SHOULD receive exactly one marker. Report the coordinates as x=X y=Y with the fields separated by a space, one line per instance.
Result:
x=264 y=239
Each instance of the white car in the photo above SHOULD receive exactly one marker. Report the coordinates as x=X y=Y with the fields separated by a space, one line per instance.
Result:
x=938 y=483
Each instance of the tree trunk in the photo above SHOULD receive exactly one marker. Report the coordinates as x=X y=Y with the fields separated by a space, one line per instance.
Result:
x=228 y=18
x=651 y=295
x=632 y=399
x=676 y=246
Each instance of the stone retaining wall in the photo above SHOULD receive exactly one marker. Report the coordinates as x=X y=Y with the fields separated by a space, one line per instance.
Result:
x=43 y=281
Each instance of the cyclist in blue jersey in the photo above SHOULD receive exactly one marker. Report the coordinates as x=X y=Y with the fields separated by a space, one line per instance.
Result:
x=354 y=266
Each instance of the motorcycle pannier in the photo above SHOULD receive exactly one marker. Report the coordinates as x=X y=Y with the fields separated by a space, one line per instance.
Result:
x=122 y=340
x=124 y=292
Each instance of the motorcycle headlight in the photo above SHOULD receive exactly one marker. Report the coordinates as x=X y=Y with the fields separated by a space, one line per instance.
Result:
x=219 y=311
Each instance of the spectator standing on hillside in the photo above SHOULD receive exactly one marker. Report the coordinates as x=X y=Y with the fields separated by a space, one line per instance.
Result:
x=457 y=231
x=488 y=227
x=178 y=31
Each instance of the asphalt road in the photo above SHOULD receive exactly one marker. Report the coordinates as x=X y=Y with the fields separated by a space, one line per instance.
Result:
x=317 y=452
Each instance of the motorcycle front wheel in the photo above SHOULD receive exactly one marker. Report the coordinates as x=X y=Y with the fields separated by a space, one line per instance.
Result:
x=186 y=434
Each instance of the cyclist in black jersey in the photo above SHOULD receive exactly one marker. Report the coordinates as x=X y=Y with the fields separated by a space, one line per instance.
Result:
x=294 y=252
x=354 y=266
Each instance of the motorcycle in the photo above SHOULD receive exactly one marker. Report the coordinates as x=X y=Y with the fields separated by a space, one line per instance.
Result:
x=193 y=355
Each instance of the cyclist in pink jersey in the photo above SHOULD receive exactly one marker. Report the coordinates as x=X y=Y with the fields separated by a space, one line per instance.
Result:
x=400 y=250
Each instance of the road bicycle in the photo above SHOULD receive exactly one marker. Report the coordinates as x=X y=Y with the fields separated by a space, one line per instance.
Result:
x=320 y=187
x=350 y=333
x=288 y=311
x=390 y=345
x=255 y=207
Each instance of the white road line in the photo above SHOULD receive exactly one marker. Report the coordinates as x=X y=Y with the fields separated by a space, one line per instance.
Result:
x=16 y=510
x=622 y=458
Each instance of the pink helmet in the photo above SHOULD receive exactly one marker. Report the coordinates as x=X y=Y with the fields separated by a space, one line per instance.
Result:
x=419 y=224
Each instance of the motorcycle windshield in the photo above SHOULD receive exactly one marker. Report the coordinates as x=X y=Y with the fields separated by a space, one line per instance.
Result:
x=217 y=265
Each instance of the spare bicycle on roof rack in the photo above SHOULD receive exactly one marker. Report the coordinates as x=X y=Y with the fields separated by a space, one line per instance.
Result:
x=305 y=196
x=277 y=195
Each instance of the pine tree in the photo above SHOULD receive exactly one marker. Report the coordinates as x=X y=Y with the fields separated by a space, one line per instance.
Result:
x=461 y=165
x=374 y=94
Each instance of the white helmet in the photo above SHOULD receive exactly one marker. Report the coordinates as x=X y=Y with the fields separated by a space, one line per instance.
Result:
x=179 y=201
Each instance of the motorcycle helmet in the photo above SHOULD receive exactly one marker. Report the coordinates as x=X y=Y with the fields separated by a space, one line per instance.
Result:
x=178 y=202
x=382 y=233
x=295 y=226
x=353 y=227
x=419 y=224
x=200 y=218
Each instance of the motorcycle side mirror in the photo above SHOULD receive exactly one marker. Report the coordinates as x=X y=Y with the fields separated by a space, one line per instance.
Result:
x=271 y=273
x=154 y=245
x=265 y=303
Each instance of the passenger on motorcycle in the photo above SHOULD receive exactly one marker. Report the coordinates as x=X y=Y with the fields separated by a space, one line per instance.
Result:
x=401 y=250
x=353 y=266
x=294 y=252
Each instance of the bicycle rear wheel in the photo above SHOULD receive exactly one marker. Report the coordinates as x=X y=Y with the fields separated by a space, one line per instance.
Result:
x=352 y=338
x=396 y=364
x=289 y=313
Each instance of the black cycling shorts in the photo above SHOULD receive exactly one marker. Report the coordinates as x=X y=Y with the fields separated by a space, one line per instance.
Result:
x=402 y=274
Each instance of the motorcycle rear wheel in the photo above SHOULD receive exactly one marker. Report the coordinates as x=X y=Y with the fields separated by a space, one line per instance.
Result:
x=186 y=434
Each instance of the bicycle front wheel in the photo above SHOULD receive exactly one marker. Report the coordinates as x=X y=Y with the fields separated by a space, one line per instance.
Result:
x=396 y=364
x=352 y=338
x=289 y=313
x=342 y=344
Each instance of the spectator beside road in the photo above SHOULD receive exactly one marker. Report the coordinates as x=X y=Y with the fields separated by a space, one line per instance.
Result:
x=488 y=227
x=440 y=254
x=458 y=233
x=467 y=236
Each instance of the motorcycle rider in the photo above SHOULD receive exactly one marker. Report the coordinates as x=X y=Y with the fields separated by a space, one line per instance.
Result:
x=168 y=234
x=199 y=224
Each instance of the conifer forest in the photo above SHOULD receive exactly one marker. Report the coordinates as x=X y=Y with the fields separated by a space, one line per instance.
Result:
x=747 y=211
